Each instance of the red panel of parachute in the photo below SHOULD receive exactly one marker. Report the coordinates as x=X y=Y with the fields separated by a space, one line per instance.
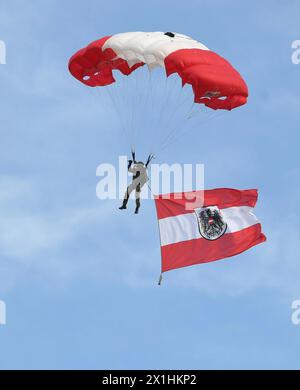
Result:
x=214 y=81
x=208 y=72
x=93 y=66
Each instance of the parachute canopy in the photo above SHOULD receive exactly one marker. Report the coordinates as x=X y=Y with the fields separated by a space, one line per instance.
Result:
x=214 y=81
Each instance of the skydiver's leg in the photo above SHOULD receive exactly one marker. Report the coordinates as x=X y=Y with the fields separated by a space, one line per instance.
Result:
x=129 y=190
x=137 y=198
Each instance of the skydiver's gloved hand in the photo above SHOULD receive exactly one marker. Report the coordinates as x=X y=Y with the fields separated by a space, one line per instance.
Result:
x=133 y=156
x=150 y=158
x=129 y=164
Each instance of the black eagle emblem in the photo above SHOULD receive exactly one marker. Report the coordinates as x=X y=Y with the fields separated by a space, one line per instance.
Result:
x=211 y=223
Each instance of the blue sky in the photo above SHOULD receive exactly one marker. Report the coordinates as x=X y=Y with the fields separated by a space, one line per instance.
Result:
x=78 y=277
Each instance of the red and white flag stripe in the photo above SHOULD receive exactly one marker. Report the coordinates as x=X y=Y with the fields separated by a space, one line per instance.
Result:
x=181 y=242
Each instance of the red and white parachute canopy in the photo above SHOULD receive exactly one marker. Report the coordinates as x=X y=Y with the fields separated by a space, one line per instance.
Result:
x=214 y=81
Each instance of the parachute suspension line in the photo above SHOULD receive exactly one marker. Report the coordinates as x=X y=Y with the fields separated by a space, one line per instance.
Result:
x=124 y=100
x=176 y=134
x=153 y=116
x=107 y=100
x=122 y=122
x=148 y=104
x=137 y=101
x=133 y=104
x=110 y=95
x=144 y=99
x=150 y=94
x=127 y=104
x=134 y=94
x=193 y=111
x=170 y=130
x=134 y=100
x=179 y=112
x=153 y=111
x=179 y=135
x=189 y=113
x=169 y=88
x=163 y=114
x=174 y=111
x=149 y=97
x=166 y=121
x=135 y=109
x=154 y=88
x=172 y=85
x=142 y=94
x=173 y=130
x=164 y=102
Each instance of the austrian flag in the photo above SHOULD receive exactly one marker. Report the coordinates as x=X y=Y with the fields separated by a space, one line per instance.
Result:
x=202 y=226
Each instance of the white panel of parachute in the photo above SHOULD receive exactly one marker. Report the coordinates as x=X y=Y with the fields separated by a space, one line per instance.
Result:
x=151 y=48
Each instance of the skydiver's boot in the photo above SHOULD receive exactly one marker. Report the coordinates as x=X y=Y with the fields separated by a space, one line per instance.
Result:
x=125 y=201
x=138 y=204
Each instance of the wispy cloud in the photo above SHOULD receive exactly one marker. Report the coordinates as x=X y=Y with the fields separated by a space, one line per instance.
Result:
x=26 y=233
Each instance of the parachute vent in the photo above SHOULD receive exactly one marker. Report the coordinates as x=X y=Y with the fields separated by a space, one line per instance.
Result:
x=170 y=34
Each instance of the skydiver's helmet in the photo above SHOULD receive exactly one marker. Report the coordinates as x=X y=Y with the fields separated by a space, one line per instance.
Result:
x=140 y=163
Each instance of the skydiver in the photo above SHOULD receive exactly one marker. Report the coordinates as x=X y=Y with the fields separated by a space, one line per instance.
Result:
x=140 y=178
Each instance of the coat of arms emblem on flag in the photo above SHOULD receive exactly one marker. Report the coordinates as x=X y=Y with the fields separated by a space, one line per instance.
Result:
x=210 y=222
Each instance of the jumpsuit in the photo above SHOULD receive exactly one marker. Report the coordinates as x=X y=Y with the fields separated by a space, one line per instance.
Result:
x=140 y=178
